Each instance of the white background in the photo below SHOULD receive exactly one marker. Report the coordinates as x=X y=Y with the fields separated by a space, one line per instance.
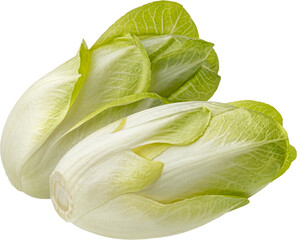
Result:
x=256 y=42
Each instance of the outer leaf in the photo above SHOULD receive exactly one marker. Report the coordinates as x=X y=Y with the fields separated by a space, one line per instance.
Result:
x=240 y=152
x=290 y=158
x=129 y=173
x=117 y=66
x=177 y=60
x=39 y=111
x=150 y=100
x=213 y=62
x=116 y=70
x=274 y=114
x=174 y=128
x=156 y=18
x=49 y=155
x=202 y=85
x=145 y=218
x=260 y=107
x=129 y=51
x=84 y=54
x=214 y=156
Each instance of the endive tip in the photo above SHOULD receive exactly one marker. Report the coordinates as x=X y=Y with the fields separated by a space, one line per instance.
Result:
x=83 y=42
x=60 y=196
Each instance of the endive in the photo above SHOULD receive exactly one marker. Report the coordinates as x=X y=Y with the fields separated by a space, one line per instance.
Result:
x=152 y=50
x=170 y=169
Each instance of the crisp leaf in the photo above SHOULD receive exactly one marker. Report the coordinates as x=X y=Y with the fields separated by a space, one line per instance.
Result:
x=260 y=107
x=202 y=85
x=49 y=155
x=39 y=111
x=116 y=70
x=122 y=173
x=146 y=218
x=156 y=18
x=240 y=152
x=168 y=169
x=177 y=60
x=291 y=156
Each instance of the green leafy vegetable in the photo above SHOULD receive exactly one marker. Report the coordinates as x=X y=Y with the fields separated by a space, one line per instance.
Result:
x=119 y=138
x=149 y=57
x=182 y=67
x=156 y=18
x=171 y=168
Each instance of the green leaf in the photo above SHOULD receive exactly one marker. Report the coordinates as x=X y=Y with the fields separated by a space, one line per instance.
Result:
x=240 y=152
x=182 y=131
x=135 y=217
x=202 y=85
x=156 y=18
x=274 y=114
x=177 y=60
x=152 y=150
x=118 y=66
x=260 y=107
x=42 y=163
x=213 y=61
x=39 y=111
x=118 y=69
x=84 y=55
x=115 y=70
x=168 y=169
x=291 y=156
x=122 y=173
